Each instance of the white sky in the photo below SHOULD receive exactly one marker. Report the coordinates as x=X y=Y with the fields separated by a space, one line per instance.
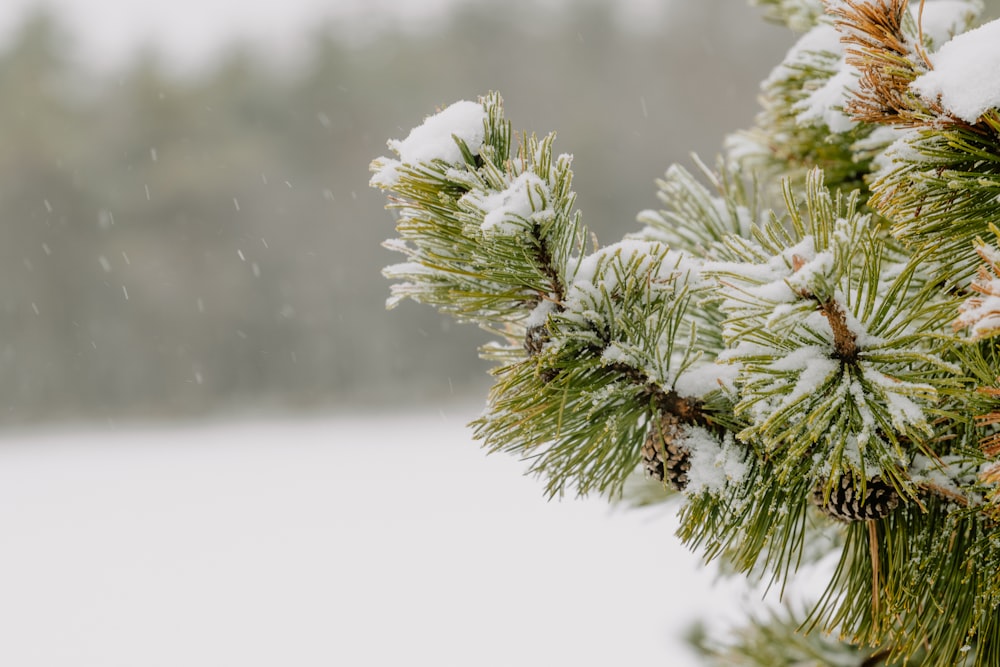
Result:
x=106 y=31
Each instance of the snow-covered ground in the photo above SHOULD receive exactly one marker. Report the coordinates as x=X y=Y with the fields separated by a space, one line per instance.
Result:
x=370 y=540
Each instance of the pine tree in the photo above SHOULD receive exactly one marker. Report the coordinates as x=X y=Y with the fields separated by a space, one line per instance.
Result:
x=802 y=343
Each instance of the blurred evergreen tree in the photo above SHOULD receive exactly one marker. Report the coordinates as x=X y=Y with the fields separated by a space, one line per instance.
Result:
x=203 y=241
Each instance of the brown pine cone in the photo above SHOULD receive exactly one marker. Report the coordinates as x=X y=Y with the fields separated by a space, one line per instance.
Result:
x=663 y=457
x=847 y=504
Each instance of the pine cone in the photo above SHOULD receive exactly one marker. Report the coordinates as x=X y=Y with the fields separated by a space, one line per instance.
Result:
x=535 y=338
x=847 y=504
x=662 y=454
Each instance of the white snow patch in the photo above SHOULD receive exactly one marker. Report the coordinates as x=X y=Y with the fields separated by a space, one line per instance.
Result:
x=944 y=472
x=403 y=269
x=625 y=250
x=820 y=48
x=966 y=74
x=434 y=140
x=822 y=264
x=648 y=257
x=507 y=211
x=703 y=378
x=742 y=146
x=981 y=314
x=852 y=453
x=396 y=245
x=617 y=353
x=877 y=141
x=306 y=542
x=651 y=216
x=900 y=153
x=825 y=105
x=814 y=362
x=713 y=464
x=868 y=425
x=540 y=314
x=815 y=367
x=386 y=173
x=989 y=253
x=777 y=280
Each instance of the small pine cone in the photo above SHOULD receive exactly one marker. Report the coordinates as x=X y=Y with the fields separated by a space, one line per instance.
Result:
x=847 y=504
x=662 y=454
x=535 y=338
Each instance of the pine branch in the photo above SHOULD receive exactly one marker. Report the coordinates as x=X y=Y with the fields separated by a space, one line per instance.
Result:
x=613 y=361
x=938 y=181
x=490 y=235
x=824 y=333
x=882 y=50
x=934 y=600
x=980 y=313
x=796 y=372
x=887 y=46
x=760 y=525
x=776 y=639
x=697 y=219
x=802 y=125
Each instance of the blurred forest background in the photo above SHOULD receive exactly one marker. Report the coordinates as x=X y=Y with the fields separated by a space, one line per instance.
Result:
x=182 y=244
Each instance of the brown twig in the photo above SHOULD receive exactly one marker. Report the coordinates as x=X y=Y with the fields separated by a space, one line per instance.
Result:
x=845 y=342
x=921 y=51
x=942 y=492
x=873 y=549
x=876 y=658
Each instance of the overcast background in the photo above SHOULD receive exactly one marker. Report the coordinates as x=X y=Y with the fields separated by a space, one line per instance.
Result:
x=217 y=446
x=191 y=33
x=184 y=185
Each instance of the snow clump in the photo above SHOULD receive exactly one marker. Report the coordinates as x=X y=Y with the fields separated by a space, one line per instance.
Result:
x=527 y=198
x=966 y=74
x=435 y=140
x=714 y=464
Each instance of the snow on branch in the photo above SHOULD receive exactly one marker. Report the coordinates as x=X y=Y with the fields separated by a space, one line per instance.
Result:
x=800 y=333
x=965 y=79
